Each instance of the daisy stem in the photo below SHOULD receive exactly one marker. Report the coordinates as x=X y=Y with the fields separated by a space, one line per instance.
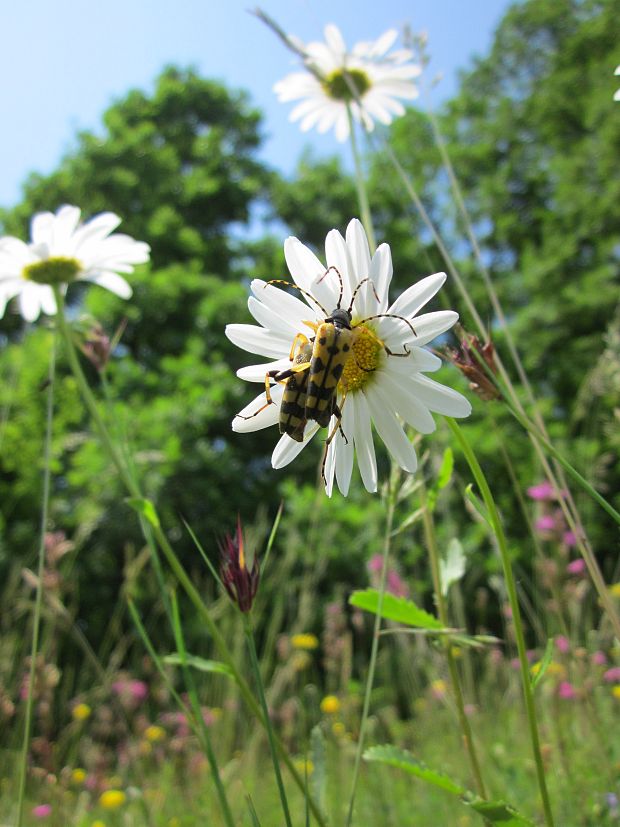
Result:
x=173 y=561
x=36 y=622
x=360 y=184
x=442 y=611
x=249 y=635
x=511 y=588
x=389 y=519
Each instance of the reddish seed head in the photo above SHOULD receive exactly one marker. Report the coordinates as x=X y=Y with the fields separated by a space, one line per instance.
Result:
x=469 y=358
x=239 y=581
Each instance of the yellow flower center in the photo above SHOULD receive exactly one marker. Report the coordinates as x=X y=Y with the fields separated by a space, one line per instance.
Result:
x=364 y=360
x=346 y=84
x=54 y=271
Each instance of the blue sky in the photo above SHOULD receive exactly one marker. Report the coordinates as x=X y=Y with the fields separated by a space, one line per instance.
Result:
x=64 y=62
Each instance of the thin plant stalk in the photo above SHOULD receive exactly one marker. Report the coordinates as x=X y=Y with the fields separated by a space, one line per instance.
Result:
x=38 y=603
x=249 y=636
x=173 y=561
x=389 y=519
x=360 y=183
x=193 y=697
x=442 y=611
x=511 y=589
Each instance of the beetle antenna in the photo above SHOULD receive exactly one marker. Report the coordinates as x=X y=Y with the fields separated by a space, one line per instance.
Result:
x=302 y=291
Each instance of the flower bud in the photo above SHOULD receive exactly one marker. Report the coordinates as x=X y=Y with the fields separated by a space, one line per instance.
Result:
x=239 y=581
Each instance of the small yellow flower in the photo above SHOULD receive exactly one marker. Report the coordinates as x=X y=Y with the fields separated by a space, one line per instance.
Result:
x=614 y=589
x=112 y=799
x=556 y=670
x=78 y=776
x=439 y=688
x=98 y=823
x=304 y=767
x=338 y=728
x=154 y=733
x=174 y=822
x=330 y=705
x=456 y=652
x=145 y=748
x=535 y=668
x=616 y=691
x=81 y=712
x=305 y=641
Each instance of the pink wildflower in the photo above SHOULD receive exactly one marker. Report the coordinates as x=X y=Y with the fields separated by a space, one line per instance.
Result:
x=396 y=585
x=569 y=539
x=545 y=523
x=542 y=491
x=612 y=675
x=42 y=810
x=577 y=566
x=375 y=563
x=566 y=691
x=599 y=659
x=562 y=644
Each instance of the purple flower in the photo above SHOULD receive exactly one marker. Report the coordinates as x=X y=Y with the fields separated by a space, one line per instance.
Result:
x=566 y=691
x=396 y=585
x=240 y=582
x=599 y=659
x=569 y=539
x=375 y=563
x=562 y=644
x=545 y=523
x=42 y=810
x=612 y=675
x=577 y=566
x=542 y=491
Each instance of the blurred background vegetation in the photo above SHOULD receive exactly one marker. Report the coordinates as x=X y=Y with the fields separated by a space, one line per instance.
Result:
x=534 y=137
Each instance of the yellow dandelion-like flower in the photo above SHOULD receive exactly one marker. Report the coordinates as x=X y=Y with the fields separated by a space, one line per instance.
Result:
x=535 y=668
x=81 y=712
x=98 y=823
x=614 y=589
x=305 y=641
x=338 y=728
x=112 y=799
x=556 y=670
x=78 y=776
x=330 y=705
x=616 y=691
x=154 y=733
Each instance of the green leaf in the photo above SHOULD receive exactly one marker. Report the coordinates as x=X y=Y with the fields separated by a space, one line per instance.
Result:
x=145 y=508
x=544 y=664
x=477 y=504
x=397 y=609
x=445 y=471
x=202 y=664
x=495 y=812
x=403 y=760
x=452 y=567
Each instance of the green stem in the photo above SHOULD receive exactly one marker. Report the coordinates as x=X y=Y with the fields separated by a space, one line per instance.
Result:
x=247 y=627
x=193 y=696
x=38 y=603
x=389 y=519
x=442 y=611
x=516 y=612
x=360 y=184
x=164 y=544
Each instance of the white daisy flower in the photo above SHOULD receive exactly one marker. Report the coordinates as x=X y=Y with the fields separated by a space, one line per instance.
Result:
x=617 y=92
x=63 y=250
x=383 y=379
x=379 y=79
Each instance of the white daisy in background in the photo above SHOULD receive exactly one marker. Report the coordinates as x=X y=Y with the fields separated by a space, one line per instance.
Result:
x=379 y=388
x=325 y=92
x=63 y=250
x=617 y=92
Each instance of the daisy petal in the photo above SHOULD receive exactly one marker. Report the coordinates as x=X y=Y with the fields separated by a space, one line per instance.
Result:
x=439 y=398
x=256 y=340
x=364 y=446
x=287 y=449
x=390 y=431
x=112 y=282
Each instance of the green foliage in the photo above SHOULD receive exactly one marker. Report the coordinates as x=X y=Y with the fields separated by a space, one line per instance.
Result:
x=397 y=609
x=495 y=812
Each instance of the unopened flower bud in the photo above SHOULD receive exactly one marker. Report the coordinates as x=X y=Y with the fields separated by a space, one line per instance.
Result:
x=239 y=581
